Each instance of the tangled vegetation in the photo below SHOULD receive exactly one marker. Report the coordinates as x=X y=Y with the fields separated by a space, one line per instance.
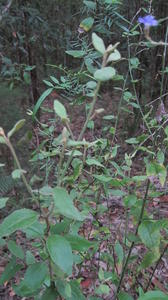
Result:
x=83 y=181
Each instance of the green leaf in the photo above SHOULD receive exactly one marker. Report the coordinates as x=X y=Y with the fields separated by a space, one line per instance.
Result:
x=60 y=252
x=101 y=274
x=2 y=242
x=117 y=193
x=119 y=251
x=2 y=140
x=55 y=80
x=94 y=162
x=98 y=43
x=63 y=288
x=90 y=4
x=130 y=200
x=15 y=249
x=45 y=190
x=11 y=269
x=30 y=258
x=87 y=24
x=150 y=258
x=76 y=292
x=134 y=62
x=78 y=243
x=156 y=169
x=76 y=53
x=91 y=84
x=40 y=101
x=19 y=219
x=139 y=178
x=153 y=295
x=103 y=178
x=49 y=294
x=72 y=143
x=17 y=126
x=124 y=296
x=149 y=234
x=16 y=174
x=102 y=289
x=61 y=227
x=109 y=117
x=35 y=230
x=132 y=141
x=128 y=96
x=90 y=65
x=115 y=56
x=3 y=202
x=48 y=83
x=34 y=278
x=166 y=130
x=60 y=110
x=160 y=156
x=134 y=104
x=104 y=74
x=64 y=205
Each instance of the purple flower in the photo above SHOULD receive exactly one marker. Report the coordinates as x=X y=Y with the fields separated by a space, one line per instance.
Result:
x=80 y=30
x=148 y=21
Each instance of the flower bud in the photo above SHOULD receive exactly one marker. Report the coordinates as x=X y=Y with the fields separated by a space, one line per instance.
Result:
x=64 y=135
x=2 y=131
x=99 y=111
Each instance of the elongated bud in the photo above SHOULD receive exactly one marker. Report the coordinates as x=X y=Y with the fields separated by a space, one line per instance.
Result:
x=64 y=135
x=99 y=111
x=29 y=112
x=2 y=131
x=111 y=48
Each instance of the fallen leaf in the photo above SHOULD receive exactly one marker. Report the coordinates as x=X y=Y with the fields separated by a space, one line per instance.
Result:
x=85 y=284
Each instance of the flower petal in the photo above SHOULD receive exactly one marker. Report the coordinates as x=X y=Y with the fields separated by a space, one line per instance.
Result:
x=148 y=21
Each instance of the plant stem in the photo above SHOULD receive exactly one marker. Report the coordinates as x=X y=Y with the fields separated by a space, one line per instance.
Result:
x=150 y=279
x=90 y=111
x=19 y=167
x=60 y=163
x=83 y=129
x=69 y=129
x=133 y=243
x=96 y=92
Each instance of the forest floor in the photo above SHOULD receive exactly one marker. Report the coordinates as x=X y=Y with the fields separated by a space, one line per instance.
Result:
x=107 y=226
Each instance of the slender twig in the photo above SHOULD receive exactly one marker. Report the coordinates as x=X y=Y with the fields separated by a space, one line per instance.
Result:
x=154 y=270
x=19 y=167
x=133 y=243
x=84 y=127
x=134 y=88
x=119 y=108
x=109 y=50
x=12 y=150
x=160 y=43
x=90 y=111
x=61 y=160
x=69 y=129
x=158 y=98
